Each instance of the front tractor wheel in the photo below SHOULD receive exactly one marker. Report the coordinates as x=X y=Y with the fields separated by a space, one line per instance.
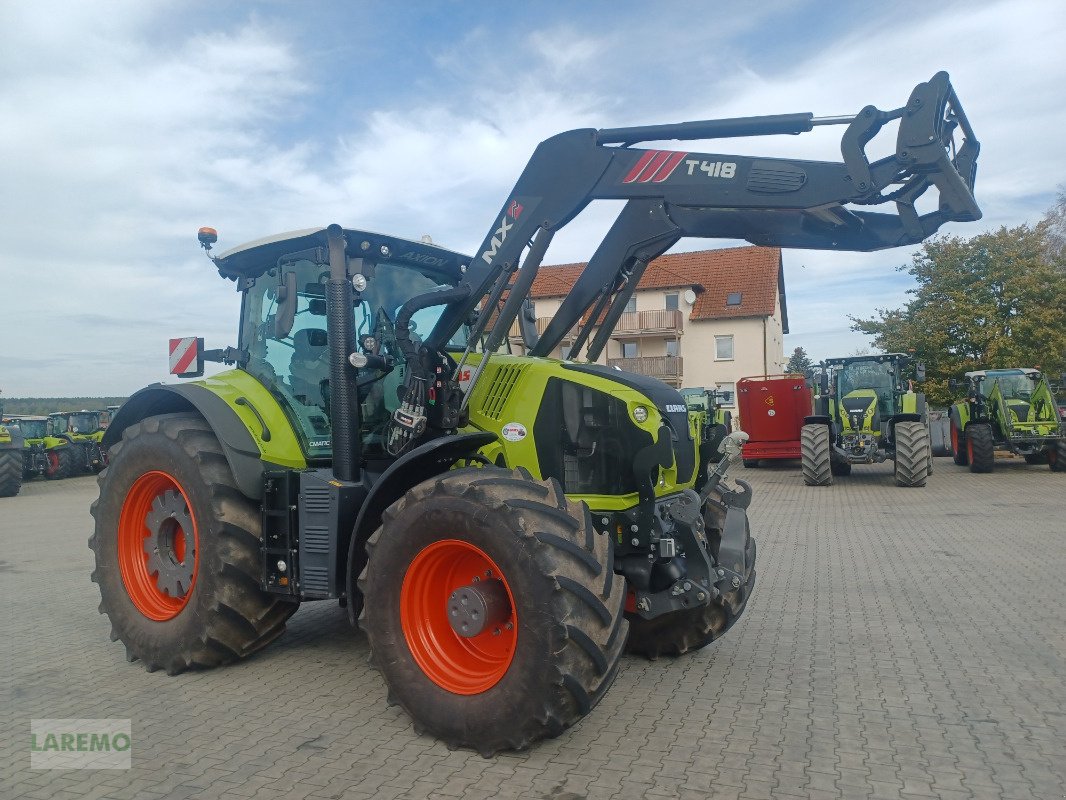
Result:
x=912 y=454
x=959 y=450
x=980 y=447
x=492 y=608
x=815 y=455
x=177 y=550
x=1056 y=456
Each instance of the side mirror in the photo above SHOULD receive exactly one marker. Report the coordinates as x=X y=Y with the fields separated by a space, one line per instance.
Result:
x=919 y=371
x=954 y=384
x=823 y=383
x=287 y=298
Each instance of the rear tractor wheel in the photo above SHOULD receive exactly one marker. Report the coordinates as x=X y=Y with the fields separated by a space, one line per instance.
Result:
x=815 y=456
x=693 y=629
x=492 y=608
x=60 y=463
x=177 y=550
x=10 y=472
x=980 y=448
x=912 y=454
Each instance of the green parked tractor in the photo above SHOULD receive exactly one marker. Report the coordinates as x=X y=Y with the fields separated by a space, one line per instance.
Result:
x=42 y=453
x=501 y=527
x=1010 y=410
x=10 y=458
x=83 y=431
x=866 y=414
x=715 y=421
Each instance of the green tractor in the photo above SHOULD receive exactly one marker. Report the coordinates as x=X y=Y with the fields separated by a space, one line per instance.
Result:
x=714 y=420
x=503 y=528
x=46 y=453
x=1010 y=410
x=867 y=415
x=83 y=431
x=10 y=457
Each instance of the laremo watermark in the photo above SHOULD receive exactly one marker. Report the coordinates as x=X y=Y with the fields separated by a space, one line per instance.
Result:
x=80 y=743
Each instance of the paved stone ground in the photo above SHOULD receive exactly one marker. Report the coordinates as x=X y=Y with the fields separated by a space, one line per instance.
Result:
x=900 y=643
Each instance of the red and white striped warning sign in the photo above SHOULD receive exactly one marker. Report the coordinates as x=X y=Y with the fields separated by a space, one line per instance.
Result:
x=183 y=360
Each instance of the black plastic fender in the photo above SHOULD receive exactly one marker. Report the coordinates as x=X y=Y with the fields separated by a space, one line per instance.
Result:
x=425 y=461
x=240 y=448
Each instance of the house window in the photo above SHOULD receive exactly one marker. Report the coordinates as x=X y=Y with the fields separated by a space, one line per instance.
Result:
x=631 y=306
x=672 y=347
x=629 y=349
x=671 y=302
x=727 y=394
x=734 y=298
x=723 y=348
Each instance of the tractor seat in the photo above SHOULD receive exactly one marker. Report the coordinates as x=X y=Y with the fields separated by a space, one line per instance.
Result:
x=309 y=366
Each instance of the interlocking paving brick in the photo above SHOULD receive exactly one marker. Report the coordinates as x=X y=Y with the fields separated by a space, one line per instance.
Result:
x=899 y=644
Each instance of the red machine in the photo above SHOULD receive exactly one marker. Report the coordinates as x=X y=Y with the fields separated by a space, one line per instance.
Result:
x=772 y=408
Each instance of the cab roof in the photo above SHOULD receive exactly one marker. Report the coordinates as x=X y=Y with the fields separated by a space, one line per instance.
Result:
x=1000 y=373
x=253 y=258
x=882 y=357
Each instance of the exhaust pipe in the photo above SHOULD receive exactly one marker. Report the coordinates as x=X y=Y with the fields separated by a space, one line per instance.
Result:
x=344 y=405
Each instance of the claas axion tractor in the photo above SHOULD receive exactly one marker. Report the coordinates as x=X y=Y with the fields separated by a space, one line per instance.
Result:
x=83 y=432
x=502 y=527
x=1010 y=410
x=867 y=414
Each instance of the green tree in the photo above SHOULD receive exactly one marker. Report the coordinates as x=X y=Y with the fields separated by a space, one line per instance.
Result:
x=800 y=362
x=996 y=300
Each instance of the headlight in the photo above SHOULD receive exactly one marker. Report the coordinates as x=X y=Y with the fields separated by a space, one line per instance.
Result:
x=640 y=414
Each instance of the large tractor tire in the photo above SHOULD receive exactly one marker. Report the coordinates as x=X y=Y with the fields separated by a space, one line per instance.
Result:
x=912 y=454
x=492 y=608
x=177 y=550
x=1056 y=456
x=815 y=459
x=10 y=472
x=693 y=629
x=980 y=447
x=60 y=463
x=959 y=450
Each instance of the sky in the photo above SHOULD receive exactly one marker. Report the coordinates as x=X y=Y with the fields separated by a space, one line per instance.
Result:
x=126 y=127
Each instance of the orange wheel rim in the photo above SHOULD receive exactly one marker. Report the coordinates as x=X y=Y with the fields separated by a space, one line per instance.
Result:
x=954 y=439
x=158 y=546
x=455 y=663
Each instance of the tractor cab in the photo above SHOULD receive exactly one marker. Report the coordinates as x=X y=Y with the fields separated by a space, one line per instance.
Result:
x=283 y=331
x=866 y=392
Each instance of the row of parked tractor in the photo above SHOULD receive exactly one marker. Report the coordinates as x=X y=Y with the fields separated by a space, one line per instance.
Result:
x=60 y=445
x=864 y=410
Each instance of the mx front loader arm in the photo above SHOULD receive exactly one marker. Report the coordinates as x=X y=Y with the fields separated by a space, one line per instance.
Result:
x=783 y=202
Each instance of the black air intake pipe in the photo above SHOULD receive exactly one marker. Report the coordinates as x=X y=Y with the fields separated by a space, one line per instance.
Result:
x=344 y=405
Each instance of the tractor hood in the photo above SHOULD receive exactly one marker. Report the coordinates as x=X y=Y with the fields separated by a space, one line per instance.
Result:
x=858 y=410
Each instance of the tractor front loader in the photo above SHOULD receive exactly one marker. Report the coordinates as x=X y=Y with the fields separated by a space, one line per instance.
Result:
x=502 y=527
x=866 y=415
x=1009 y=410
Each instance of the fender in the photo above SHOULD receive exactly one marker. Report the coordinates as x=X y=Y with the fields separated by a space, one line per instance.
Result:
x=816 y=420
x=422 y=463
x=241 y=450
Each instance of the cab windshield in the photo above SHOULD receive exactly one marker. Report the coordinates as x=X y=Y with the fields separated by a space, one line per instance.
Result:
x=83 y=423
x=295 y=367
x=1012 y=387
x=31 y=428
x=876 y=375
